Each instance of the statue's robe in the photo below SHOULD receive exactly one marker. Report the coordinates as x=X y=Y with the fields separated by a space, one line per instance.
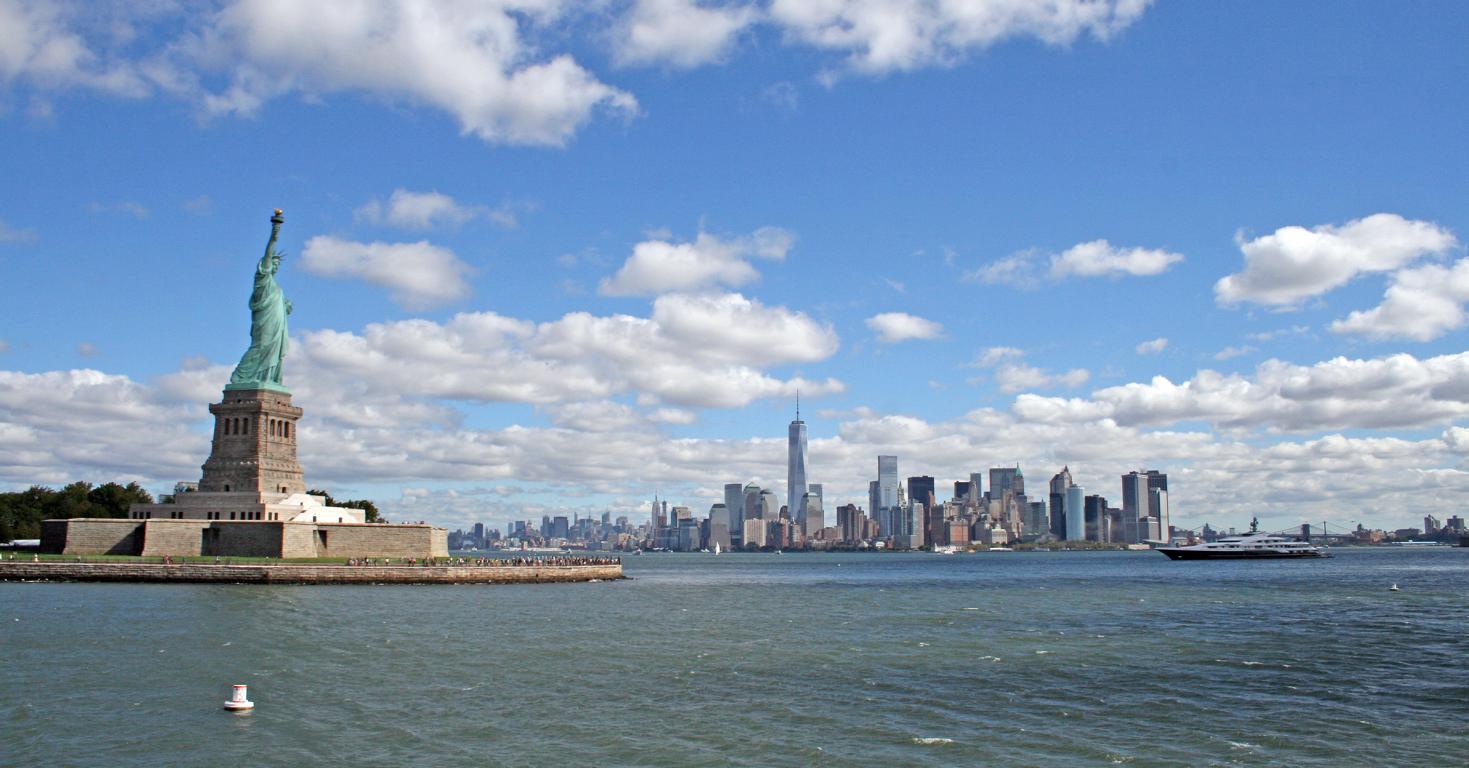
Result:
x=262 y=361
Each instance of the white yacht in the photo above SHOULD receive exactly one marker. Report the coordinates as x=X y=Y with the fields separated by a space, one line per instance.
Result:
x=1249 y=546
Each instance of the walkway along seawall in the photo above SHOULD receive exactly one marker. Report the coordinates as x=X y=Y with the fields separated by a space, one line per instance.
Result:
x=200 y=573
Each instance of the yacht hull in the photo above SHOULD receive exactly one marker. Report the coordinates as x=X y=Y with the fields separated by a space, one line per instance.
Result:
x=1195 y=554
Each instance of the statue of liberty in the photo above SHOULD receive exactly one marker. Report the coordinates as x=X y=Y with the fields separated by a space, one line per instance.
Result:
x=260 y=368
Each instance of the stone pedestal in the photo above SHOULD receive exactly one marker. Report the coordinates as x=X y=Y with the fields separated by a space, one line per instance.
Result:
x=254 y=449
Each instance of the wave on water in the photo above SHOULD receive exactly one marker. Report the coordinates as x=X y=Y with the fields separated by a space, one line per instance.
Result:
x=932 y=740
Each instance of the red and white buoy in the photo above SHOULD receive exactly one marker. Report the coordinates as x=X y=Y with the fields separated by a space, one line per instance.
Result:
x=238 y=702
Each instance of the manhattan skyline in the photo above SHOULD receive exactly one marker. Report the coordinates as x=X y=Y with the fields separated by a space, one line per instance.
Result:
x=1102 y=236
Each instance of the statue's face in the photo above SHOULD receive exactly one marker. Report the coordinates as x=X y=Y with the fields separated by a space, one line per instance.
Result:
x=275 y=262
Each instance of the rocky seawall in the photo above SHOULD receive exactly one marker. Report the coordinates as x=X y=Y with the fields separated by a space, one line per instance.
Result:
x=200 y=573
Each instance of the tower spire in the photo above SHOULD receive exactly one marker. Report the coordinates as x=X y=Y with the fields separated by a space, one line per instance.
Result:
x=798 y=403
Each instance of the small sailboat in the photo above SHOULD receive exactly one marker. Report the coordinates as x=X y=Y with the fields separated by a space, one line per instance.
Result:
x=1393 y=588
x=716 y=547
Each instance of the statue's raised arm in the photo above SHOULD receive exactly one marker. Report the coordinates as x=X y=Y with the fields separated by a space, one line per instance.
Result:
x=260 y=367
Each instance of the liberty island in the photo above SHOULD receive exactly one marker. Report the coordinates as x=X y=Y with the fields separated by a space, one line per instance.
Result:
x=252 y=499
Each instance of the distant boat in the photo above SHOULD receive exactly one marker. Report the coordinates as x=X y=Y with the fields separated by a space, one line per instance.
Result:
x=716 y=548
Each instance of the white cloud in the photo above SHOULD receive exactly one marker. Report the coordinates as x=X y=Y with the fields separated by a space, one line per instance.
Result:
x=88 y=349
x=681 y=33
x=1019 y=270
x=469 y=59
x=1394 y=392
x=419 y=275
x=1294 y=263
x=1421 y=304
x=879 y=37
x=1231 y=352
x=1096 y=258
x=498 y=67
x=659 y=266
x=693 y=351
x=1012 y=374
x=1294 y=330
x=1099 y=257
x=1017 y=377
x=1152 y=347
x=37 y=45
x=893 y=327
x=994 y=355
x=428 y=210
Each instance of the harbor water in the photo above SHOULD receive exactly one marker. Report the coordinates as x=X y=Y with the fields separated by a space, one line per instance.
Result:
x=1059 y=658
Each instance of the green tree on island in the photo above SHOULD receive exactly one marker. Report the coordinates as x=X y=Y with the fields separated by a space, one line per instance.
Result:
x=21 y=512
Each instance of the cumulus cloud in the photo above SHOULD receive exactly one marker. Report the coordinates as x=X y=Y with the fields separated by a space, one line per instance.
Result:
x=468 y=59
x=1096 y=258
x=680 y=33
x=660 y=266
x=498 y=67
x=1394 y=392
x=479 y=62
x=1152 y=347
x=1018 y=377
x=692 y=351
x=1012 y=374
x=995 y=355
x=38 y=45
x=419 y=275
x=1294 y=263
x=429 y=210
x=893 y=327
x=1099 y=257
x=885 y=37
x=1421 y=304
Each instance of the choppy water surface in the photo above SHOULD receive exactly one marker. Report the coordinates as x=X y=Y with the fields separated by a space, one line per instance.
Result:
x=995 y=659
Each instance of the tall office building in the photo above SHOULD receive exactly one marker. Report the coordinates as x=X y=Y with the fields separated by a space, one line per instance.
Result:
x=769 y=506
x=1075 y=513
x=1059 y=485
x=752 y=501
x=1004 y=479
x=796 y=464
x=1157 y=481
x=920 y=490
x=874 y=501
x=1134 y=505
x=812 y=517
x=1158 y=512
x=961 y=491
x=1095 y=515
x=886 y=510
x=976 y=487
x=734 y=507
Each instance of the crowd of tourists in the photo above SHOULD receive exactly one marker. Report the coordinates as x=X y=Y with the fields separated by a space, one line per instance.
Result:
x=486 y=562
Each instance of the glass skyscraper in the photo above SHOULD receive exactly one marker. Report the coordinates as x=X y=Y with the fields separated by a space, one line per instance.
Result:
x=796 y=466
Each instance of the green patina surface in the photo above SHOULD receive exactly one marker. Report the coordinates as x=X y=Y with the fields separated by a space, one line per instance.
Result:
x=260 y=367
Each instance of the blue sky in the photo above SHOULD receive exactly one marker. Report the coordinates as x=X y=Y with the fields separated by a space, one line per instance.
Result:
x=551 y=256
